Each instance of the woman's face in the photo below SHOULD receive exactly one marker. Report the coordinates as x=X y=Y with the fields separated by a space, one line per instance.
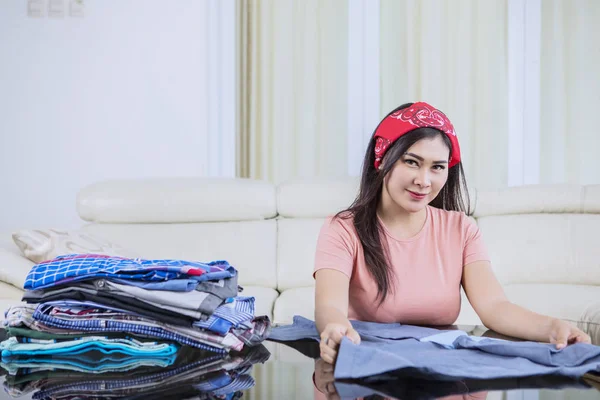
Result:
x=419 y=175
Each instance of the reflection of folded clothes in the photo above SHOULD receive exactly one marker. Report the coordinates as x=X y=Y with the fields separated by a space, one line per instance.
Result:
x=130 y=347
x=83 y=364
x=232 y=391
x=75 y=267
x=225 y=386
x=35 y=374
x=215 y=372
x=22 y=389
x=417 y=388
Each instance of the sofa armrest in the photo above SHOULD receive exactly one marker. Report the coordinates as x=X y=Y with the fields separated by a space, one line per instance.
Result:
x=589 y=322
x=14 y=268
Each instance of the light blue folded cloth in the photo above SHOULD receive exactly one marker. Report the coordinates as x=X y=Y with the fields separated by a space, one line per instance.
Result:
x=12 y=348
x=444 y=354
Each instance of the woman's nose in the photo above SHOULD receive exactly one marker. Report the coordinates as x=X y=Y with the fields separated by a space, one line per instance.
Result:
x=422 y=178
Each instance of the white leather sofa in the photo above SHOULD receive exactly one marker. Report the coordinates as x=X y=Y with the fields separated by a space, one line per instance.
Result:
x=543 y=240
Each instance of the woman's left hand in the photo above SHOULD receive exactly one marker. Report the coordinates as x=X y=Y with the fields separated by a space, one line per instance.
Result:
x=563 y=334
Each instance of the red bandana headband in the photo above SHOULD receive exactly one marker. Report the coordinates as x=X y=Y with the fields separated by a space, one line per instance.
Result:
x=418 y=115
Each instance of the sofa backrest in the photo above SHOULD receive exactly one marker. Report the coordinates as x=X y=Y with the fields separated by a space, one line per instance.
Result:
x=303 y=206
x=189 y=218
x=535 y=234
x=542 y=233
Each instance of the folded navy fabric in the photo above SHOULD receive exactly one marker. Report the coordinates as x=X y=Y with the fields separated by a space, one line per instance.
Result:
x=391 y=347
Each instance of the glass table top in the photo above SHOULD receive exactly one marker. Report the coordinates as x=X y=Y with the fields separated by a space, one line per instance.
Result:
x=269 y=371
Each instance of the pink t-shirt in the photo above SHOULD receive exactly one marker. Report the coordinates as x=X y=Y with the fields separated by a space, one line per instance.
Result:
x=428 y=268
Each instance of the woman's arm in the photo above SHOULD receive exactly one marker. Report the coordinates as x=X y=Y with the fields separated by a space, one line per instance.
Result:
x=331 y=312
x=497 y=313
x=331 y=298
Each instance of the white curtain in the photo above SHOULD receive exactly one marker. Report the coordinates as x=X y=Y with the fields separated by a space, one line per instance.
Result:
x=293 y=96
x=570 y=92
x=452 y=54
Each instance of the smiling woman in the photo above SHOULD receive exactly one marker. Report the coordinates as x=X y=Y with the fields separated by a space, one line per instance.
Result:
x=402 y=250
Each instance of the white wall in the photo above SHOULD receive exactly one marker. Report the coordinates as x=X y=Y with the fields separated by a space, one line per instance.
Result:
x=123 y=92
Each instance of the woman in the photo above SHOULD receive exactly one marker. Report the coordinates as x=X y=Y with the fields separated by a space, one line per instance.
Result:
x=405 y=246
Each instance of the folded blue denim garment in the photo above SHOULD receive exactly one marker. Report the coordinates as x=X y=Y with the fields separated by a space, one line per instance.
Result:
x=391 y=347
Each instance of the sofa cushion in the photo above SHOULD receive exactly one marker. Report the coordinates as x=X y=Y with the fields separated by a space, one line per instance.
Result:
x=301 y=301
x=13 y=268
x=529 y=199
x=296 y=247
x=467 y=315
x=315 y=197
x=298 y=301
x=249 y=246
x=566 y=302
x=543 y=248
x=264 y=299
x=9 y=296
x=40 y=245
x=177 y=200
x=10 y=292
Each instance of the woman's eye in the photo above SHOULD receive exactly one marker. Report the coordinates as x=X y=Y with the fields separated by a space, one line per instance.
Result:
x=439 y=167
x=411 y=162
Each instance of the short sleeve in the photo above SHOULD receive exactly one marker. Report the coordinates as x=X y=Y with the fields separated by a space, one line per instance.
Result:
x=474 y=249
x=336 y=246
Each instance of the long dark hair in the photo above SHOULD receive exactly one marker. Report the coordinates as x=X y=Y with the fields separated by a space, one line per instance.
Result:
x=453 y=196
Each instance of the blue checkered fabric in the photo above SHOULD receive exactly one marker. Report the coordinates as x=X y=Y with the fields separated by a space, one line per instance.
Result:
x=76 y=267
x=233 y=314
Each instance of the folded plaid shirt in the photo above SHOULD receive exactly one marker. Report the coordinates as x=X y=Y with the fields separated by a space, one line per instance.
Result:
x=229 y=315
x=77 y=267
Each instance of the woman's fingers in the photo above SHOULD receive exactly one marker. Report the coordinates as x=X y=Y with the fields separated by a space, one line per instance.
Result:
x=328 y=358
x=333 y=339
x=353 y=336
x=581 y=337
x=327 y=353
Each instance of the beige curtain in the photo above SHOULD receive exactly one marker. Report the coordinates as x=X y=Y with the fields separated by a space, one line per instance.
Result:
x=452 y=54
x=293 y=79
x=570 y=92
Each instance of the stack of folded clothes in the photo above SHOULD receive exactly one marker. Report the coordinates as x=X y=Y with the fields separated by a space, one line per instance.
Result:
x=124 y=307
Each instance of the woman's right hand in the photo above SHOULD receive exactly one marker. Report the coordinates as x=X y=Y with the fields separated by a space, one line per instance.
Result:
x=331 y=337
